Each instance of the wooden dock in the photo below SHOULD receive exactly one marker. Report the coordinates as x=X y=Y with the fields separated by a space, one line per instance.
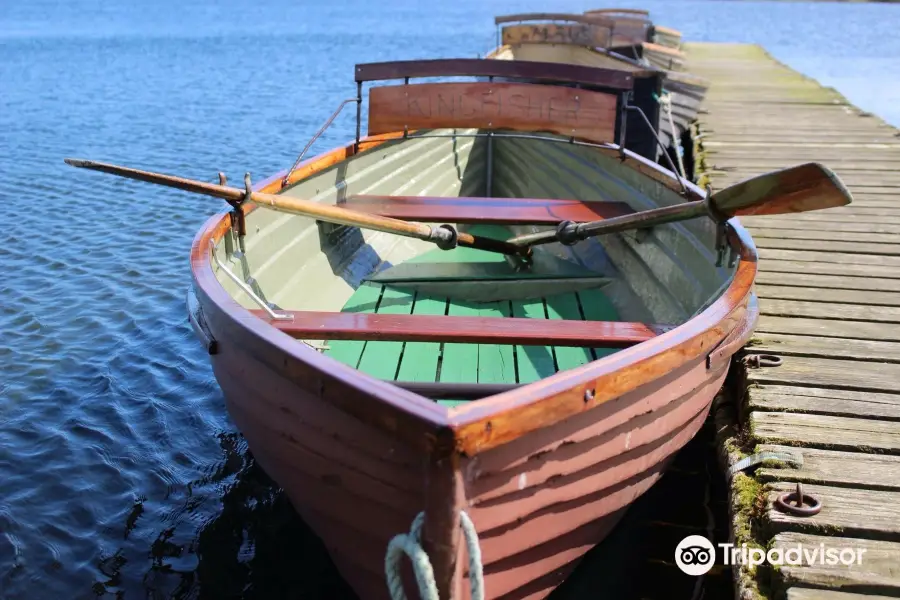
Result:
x=829 y=288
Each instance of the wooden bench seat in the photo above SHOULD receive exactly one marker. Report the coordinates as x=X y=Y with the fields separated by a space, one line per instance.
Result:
x=460 y=329
x=498 y=211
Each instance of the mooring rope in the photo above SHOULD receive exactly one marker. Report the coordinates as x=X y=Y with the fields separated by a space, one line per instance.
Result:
x=410 y=544
x=666 y=101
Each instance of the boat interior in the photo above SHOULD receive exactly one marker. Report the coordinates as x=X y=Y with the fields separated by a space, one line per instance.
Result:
x=496 y=160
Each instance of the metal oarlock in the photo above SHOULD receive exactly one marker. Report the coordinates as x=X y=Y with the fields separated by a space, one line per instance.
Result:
x=804 y=505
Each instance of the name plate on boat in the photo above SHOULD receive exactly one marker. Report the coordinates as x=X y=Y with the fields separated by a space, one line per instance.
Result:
x=577 y=34
x=587 y=115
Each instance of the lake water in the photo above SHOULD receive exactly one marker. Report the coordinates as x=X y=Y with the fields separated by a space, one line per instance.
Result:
x=120 y=473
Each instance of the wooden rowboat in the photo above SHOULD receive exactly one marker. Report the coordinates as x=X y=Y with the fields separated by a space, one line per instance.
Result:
x=666 y=36
x=634 y=35
x=682 y=92
x=539 y=37
x=382 y=380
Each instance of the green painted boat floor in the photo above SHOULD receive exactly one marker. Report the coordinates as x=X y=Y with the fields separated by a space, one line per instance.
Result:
x=468 y=363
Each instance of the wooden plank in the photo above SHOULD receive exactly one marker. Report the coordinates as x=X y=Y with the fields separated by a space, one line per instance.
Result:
x=382 y=359
x=828 y=246
x=459 y=363
x=824 y=347
x=826 y=310
x=482 y=67
x=828 y=257
x=866 y=298
x=498 y=211
x=875 y=572
x=545 y=16
x=598 y=307
x=818 y=372
x=420 y=359
x=828 y=281
x=496 y=362
x=459 y=329
x=567 y=111
x=534 y=362
x=868 y=514
x=566 y=306
x=831 y=328
x=826 y=431
x=575 y=34
x=836 y=468
x=801 y=593
x=824 y=268
x=364 y=300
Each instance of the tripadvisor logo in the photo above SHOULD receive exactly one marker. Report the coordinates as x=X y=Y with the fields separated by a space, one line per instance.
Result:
x=695 y=555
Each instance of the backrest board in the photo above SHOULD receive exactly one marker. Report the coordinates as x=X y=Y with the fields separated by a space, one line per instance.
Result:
x=583 y=114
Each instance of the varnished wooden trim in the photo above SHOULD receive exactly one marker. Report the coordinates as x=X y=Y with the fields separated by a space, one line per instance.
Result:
x=310 y=325
x=624 y=11
x=572 y=17
x=499 y=211
x=483 y=67
x=583 y=114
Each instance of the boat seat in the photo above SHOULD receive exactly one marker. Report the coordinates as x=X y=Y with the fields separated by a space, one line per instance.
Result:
x=499 y=211
x=511 y=342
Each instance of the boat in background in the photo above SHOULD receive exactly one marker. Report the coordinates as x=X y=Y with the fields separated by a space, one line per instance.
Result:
x=668 y=99
x=634 y=35
x=578 y=40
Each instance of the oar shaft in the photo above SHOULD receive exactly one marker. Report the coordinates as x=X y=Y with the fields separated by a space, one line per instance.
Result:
x=326 y=212
x=648 y=218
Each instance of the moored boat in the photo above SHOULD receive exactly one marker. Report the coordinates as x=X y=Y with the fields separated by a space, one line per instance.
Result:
x=657 y=92
x=518 y=41
x=666 y=36
x=524 y=371
x=634 y=35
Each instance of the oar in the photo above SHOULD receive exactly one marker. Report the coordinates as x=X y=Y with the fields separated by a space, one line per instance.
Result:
x=806 y=187
x=444 y=236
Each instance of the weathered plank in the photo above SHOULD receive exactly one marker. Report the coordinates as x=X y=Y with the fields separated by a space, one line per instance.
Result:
x=824 y=347
x=836 y=468
x=886 y=332
x=874 y=571
x=868 y=514
x=829 y=257
x=825 y=431
x=818 y=294
x=827 y=310
x=823 y=268
x=821 y=246
x=828 y=281
x=801 y=593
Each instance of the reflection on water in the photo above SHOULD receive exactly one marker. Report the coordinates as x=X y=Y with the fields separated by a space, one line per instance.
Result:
x=122 y=475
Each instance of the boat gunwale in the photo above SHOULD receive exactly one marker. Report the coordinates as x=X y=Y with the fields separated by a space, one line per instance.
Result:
x=494 y=420
x=582 y=18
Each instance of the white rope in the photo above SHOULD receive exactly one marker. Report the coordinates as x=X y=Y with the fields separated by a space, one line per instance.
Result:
x=666 y=101
x=410 y=544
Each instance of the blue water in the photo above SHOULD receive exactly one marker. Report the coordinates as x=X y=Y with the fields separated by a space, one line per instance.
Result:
x=120 y=472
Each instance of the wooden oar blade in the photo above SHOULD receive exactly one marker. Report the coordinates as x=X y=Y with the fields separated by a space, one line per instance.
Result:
x=189 y=185
x=803 y=188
